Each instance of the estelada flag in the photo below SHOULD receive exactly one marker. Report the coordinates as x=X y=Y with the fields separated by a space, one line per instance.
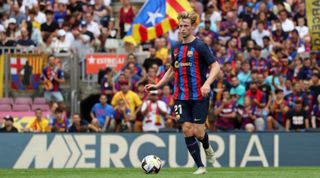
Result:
x=155 y=18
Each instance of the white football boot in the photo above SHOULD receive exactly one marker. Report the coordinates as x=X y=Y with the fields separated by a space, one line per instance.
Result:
x=200 y=170
x=210 y=155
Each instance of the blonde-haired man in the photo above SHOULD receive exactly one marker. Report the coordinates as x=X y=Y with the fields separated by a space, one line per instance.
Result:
x=190 y=62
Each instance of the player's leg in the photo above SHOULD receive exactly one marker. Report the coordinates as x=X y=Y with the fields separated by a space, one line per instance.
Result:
x=199 y=117
x=184 y=116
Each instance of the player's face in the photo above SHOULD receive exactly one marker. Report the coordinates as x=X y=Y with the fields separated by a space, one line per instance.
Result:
x=185 y=28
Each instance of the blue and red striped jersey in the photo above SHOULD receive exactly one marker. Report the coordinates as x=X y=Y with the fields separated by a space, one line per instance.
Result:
x=190 y=62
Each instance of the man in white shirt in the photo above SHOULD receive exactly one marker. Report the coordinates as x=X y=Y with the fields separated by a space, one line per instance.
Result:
x=287 y=24
x=153 y=111
x=61 y=45
x=92 y=25
x=40 y=17
x=258 y=34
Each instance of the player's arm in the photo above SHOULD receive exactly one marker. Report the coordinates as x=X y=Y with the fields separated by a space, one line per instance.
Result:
x=214 y=71
x=165 y=79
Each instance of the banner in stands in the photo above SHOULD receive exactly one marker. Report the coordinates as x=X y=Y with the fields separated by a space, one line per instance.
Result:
x=26 y=70
x=95 y=62
x=313 y=18
x=1 y=74
x=127 y=150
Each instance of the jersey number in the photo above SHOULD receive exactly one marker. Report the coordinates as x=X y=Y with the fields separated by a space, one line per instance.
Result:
x=178 y=109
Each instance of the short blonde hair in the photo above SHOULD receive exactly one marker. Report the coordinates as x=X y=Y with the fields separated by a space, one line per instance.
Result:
x=188 y=15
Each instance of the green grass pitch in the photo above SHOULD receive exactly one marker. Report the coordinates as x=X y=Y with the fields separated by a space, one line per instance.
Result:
x=254 y=172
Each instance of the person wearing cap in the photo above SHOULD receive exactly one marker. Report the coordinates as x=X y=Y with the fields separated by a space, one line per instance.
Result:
x=61 y=45
x=154 y=111
x=12 y=31
x=131 y=98
x=17 y=14
x=297 y=119
x=247 y=15
x=8 y=125
x=278 y=109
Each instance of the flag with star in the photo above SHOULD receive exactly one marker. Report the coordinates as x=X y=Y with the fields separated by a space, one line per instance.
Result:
x=155 y=18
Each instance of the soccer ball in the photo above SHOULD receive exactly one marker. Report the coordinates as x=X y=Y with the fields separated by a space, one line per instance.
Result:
x=151 y=164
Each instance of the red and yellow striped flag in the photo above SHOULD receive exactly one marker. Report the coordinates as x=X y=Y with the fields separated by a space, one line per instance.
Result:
x=155 y=18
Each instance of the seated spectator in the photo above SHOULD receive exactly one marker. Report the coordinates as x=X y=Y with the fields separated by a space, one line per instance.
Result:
x=238 y=90
x=297 y=118
x=59 y=123
x=147 y=63
x=40 y=124
x=8 y=125
x=154 y=111
x=226 y=113
x=101 y=112
x=81 y=125
x=24 y=40
x=258 y=34
x=50 y=26
x=61 y=45
x=248 y=118
x=278 y=109
x=122 y=117
x=315 y=115
x=107 y=86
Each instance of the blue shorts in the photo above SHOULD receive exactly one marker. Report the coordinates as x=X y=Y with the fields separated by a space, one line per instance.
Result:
x=194 y=111
x=53 y=96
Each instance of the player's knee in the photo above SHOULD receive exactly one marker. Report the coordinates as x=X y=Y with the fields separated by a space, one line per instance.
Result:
x=187 y=130
x=249 y=127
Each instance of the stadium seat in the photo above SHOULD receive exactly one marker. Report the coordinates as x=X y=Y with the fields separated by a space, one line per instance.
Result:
x=23 y=101
x=39 y=100
x=6 y=101
x=5 y=107
x=20 y=107
x=43 y=107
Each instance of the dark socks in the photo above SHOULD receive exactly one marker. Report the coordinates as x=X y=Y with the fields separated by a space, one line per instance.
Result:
x=205 y=141
x=194 y=150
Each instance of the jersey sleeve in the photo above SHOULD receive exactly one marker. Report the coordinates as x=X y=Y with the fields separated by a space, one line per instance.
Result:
x=205 y=53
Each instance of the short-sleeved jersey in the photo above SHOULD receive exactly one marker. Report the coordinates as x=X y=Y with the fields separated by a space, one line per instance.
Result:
x=190 y=62
x=49 y=73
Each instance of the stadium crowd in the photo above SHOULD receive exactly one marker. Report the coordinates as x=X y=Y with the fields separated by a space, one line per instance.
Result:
x=270 y=77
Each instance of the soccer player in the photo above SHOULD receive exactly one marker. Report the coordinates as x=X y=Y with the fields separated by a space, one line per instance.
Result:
x=190 y=62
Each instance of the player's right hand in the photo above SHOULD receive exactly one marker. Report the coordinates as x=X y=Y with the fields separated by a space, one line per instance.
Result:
x=150 y=87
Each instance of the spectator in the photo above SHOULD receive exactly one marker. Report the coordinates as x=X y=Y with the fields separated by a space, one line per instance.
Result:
x=39 y=124
x=101 y=112
x=40 y=17
x=152 y=59
x=256 y=95
x=226 y=113
x=81 y=125
x=213 y=13
x=286 y=23
x=92 y=25
x=278 y=109
x=247 y=15
x=17 y=14
x=295 y=95
x=258 y=34
x=244 y=34
x=258 y=63
x=112 y=43
x=106 y=85
x=25 y=41
x=315 y=115
x=59 y=123
x=297 y=118
x=226 y=26
x=12 y=32
x=8 y=125
x=244 y=76
x=162 y=49
x=50 y=26
x=126 y=15
x=154 y=111
x=130 y=98
x=278 y=34
x=122 y=117
x=61 y=45
x=266 y=90
x=302 y=29
x=238 y=90
x=4 y=7
x=52 y=76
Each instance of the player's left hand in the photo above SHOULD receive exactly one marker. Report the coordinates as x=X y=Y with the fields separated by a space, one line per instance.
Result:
x=205 y=90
